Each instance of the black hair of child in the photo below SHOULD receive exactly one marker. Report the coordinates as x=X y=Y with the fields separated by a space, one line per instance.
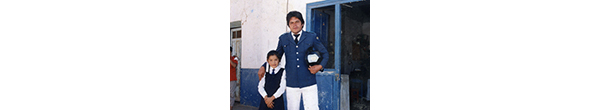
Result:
x=273 y=52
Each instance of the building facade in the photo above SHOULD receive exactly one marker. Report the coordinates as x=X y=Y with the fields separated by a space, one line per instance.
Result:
x=341 y=25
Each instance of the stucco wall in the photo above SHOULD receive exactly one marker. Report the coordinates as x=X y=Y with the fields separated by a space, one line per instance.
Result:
x=262 y=23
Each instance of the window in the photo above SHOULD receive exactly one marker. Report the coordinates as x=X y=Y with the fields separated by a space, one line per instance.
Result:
x=236 y=34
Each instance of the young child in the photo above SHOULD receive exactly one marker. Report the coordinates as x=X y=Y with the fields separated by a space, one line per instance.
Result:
x=272 y=85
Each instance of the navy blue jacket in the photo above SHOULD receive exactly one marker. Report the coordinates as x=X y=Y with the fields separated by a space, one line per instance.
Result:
x=296 y=68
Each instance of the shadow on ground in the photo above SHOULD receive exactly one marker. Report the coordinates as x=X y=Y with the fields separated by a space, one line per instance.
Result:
x=238 y=106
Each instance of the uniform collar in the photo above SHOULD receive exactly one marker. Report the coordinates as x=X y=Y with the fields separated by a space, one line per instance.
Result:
x=292 y=33
x=271 y=68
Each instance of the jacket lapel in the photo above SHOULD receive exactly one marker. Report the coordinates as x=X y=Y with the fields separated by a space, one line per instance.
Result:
x=290 y=37
x=303 y=36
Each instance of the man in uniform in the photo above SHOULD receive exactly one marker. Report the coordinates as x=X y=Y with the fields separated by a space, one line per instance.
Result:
x=301 y=78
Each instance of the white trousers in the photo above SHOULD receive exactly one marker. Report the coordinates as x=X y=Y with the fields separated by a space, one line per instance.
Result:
x=309 y=94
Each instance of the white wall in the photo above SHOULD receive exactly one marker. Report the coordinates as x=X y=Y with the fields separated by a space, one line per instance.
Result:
x=262 y=23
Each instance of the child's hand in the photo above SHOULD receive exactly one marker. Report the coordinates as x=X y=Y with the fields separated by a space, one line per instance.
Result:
x=269 y=101
x=271 y=105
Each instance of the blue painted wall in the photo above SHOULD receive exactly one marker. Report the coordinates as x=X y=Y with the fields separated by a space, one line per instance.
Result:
x=248 y=87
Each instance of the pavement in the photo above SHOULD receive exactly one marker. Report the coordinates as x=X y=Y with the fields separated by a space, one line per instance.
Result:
x=238 y=106
x=362 y=104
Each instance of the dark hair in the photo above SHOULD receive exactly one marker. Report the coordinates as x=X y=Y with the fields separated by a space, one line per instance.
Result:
x=273 y=52
x=294 y=14
x=230 y=49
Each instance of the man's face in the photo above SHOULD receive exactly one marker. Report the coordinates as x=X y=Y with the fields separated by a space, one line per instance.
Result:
x=295 y=25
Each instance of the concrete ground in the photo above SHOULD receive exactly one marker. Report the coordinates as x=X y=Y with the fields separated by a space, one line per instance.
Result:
x=238 y=106
x=361 y=104
x=358 y=105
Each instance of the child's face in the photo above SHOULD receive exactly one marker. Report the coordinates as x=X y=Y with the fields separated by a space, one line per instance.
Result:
x=273 y=61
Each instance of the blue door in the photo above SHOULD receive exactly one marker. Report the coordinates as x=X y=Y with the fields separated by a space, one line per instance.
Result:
x=328 y=81
x=329 y=90
x=320 y=25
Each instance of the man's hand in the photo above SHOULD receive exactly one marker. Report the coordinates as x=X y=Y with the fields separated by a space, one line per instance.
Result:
x=315 y=68
x=261 y=73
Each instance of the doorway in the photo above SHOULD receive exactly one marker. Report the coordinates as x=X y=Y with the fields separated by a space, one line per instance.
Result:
x=355 y=51
x=235 y=38
x=344 y=29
